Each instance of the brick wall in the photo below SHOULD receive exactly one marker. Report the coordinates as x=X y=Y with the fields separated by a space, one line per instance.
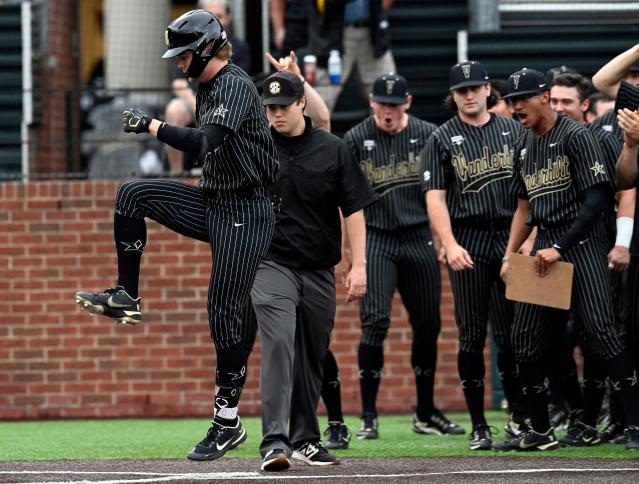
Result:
x=58 y=361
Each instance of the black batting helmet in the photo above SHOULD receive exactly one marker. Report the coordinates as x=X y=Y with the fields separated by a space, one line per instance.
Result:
x=199 y=31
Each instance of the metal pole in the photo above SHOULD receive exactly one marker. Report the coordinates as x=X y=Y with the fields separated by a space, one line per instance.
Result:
x=484 y=15
x=27 y=87
x=239 y=20
x=265 y=33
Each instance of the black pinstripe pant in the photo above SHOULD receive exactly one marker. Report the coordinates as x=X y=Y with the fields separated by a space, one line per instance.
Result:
x=479 y=292
x=238 y=229
x=405 y=260
x=590 y=301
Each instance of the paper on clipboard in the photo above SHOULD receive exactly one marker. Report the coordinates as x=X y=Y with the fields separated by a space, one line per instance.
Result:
x=524 y=285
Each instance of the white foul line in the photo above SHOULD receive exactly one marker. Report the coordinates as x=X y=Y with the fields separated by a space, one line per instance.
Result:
x=164 y=477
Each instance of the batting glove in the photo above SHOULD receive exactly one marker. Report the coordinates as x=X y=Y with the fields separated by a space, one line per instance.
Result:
x=136 y=121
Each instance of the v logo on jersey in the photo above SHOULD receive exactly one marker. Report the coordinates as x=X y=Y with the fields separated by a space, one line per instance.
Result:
x=457 y=140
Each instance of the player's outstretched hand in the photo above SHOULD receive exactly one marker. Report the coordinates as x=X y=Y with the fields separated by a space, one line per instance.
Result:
x=356 y=283
x=288 y=63
x=544 y=259
x=136 y=121
x=458 y=258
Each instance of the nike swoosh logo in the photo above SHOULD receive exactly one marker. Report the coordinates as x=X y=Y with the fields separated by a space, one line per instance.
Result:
x=505 y=133
x=553 y=144
x=113 y=304
x=582 y=242
x=221 y=447
x=235 y=224
x=414 y=140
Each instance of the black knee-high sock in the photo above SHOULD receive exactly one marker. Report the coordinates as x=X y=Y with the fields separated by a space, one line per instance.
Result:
x=565 y=374
x=371 y=367
x=594 y=388
x=623 y=379
x=130 y=239
x=424 y=361
x=331 y=390
x=534 y=388
x=471 y=373
x=509 y=377
x=229 y=378
x=616 y=410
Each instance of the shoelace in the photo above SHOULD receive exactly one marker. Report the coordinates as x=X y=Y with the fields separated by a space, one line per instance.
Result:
x=111 y=290
x=482 y=433
x=440 y=420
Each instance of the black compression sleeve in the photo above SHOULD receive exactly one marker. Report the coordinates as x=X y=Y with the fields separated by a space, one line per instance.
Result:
x=595 y=199
x=188 y=140
x=192 y=140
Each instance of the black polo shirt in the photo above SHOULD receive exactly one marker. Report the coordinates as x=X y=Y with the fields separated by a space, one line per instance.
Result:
x=317 y=176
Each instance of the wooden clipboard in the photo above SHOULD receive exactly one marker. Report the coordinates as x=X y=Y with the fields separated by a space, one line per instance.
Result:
x=524 y=285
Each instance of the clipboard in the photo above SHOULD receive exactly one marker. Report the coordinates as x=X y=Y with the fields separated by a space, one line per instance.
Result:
x=524 y=285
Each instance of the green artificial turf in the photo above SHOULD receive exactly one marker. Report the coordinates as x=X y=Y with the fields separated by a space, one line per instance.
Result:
x=172 y=439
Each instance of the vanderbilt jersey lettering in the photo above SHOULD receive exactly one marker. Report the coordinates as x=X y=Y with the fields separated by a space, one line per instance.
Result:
x=248 y=158
x=553 y=171
x=474 y=165
x=393 y=167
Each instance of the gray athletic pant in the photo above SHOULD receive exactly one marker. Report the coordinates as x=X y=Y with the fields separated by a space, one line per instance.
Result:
x=295 y=310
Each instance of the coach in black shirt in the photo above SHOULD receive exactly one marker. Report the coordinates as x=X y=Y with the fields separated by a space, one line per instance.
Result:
x=294 y=290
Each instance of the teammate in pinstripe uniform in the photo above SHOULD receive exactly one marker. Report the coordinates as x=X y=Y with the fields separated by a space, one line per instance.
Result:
x=562 y=186
x=399 y=252
x=568 y=97
x=619 y=78
x=468 y=165
x=230 y=209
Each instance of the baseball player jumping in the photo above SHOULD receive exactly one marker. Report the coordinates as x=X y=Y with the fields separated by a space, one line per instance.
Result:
x=230 y=209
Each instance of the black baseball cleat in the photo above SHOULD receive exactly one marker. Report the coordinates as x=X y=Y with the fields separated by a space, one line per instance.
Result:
x=481 y=437
x=436 y=424
x=337 y=435
x=113 y=302
x=314 y=454
x=219 y=439
x=612 y=433
x=632 y=437
x=580 y=435
x=515 y=426
x=528 y=441
x=275 y=460
x=368 y=429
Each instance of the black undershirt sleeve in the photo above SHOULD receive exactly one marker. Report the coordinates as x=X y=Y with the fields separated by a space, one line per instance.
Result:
x=595 y=200
x=193 y=140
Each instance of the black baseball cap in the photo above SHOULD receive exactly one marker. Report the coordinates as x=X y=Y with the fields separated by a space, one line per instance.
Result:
x=556 y=71
x=526 y=82
x=467 y=73
x=282 y=88
x=390 y=89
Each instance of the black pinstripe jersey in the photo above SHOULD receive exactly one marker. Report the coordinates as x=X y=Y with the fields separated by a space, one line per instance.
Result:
x=247 y=159
x=627 y=97
x=554 y=170
x=608 y=123
x=474 y=164
x=392 y=165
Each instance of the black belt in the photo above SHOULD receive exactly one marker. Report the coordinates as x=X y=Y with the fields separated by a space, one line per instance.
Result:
x=492 y=225
x=244 y=192
x=553 y=226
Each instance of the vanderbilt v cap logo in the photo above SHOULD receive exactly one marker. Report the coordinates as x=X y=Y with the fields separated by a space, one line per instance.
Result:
x=526 y=82
x=466 y=74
